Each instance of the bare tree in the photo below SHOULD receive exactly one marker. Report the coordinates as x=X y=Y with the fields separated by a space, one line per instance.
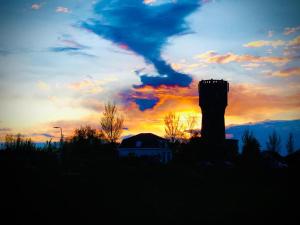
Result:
x=111 y=123
x=174 y=129
x=190 y=123
x=273 y=143
x=290 y=144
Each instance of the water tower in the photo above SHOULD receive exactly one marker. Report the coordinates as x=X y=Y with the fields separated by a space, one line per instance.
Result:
x=213 y=102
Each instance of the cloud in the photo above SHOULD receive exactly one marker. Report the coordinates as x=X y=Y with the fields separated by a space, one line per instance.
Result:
x=146 y=36
x=5 y=129
x=146 y=103
x=295 y=42
x=64 y=49
x=72 y=44
x=43 y=86
x=251 y=66
x=90 y=85
x=149 y=1
x=86 y=86
x=274 y=44
x=71 y=47
x=214 y=57
x=153 y=98
x=290 y=30
x=43 y=134
x=262 y=43
x=294 y=71
x=270 y=33
x=36 y=6
x=258 y=102
x=61 y=9
x=92 y=104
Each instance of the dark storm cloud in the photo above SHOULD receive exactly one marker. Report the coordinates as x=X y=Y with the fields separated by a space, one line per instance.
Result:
x=146 y=103
x=144 y=29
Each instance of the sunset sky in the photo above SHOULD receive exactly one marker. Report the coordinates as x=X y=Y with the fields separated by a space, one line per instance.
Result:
x=61 y=60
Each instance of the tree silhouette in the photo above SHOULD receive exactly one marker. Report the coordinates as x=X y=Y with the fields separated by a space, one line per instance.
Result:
x=290 y=144
x=111 y=123
x=273 y=143
x=190 y=123
x=86 y=139
x=251 y=147
x=18 y=143
x=174 y=129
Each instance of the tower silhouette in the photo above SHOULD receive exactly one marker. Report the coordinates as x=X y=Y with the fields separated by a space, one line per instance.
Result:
x=213 y=102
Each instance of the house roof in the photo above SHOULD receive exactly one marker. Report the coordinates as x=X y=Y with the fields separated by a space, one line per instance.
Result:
x=143 y=140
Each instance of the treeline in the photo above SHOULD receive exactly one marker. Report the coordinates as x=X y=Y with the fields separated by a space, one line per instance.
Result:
x=89 y=144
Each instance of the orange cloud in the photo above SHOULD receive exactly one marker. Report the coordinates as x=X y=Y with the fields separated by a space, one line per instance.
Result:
x=262 y=43
x=294 y=71
x=295 y=41
x=213 y=57
x=247 y=100
x=90 y=86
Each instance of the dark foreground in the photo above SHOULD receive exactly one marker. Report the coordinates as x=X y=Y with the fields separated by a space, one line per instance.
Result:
x=115 y=192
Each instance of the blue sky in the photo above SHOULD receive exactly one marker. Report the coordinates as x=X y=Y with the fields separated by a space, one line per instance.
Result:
x=57 y=66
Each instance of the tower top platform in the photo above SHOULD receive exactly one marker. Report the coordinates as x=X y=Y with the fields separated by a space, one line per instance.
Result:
x=214 y=84
x=212 y=81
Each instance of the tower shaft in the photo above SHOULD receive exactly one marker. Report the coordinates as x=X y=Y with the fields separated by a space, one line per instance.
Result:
x=213 y=102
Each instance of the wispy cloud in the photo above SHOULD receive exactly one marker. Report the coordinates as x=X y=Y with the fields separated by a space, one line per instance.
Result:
x=92 y=104
x=64 y=49
x=86 y=86
x=71 y=47
x=214 y=57
x=5 y=129
x=61 y=9
x=36 y=6
x=294 y=71
x=149 y=1
x=90 y=86
x=43 y=135
x=262 y=43
x=43 y=86
x=251 y=66
x=73 y=44
x=290 y=30
x=294 y=42
x=274 y=44
x=270 y=33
